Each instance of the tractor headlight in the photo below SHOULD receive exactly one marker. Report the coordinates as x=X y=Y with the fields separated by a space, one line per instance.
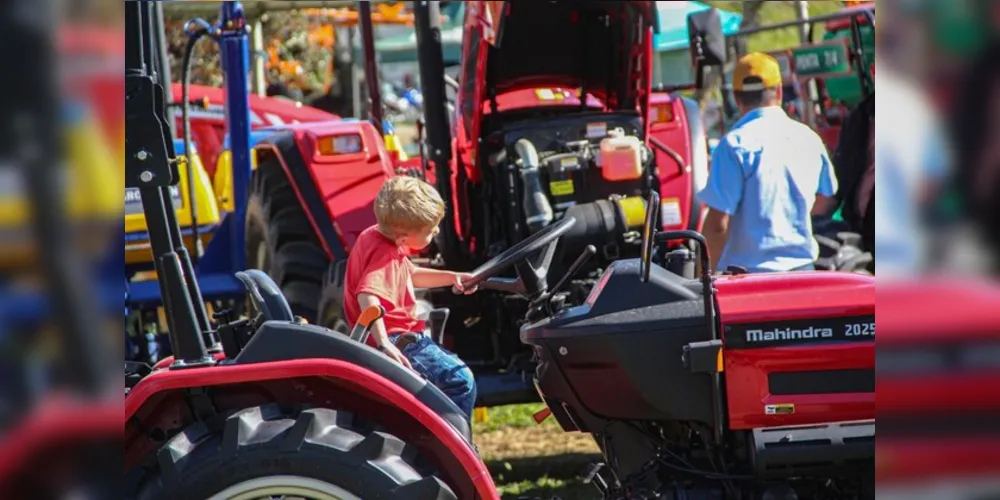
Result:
x=340 y=145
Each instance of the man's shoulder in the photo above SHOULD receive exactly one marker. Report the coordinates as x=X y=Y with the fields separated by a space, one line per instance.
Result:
x=804 y=134
x=742 y=138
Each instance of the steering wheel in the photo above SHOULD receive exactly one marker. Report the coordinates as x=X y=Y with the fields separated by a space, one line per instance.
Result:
x=266 y=296
x=649 y=236
x=531 y=277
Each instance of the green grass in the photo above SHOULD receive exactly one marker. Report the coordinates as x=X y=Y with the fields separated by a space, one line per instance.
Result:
x=534 y=461
x=547 y=488
x=511 y=417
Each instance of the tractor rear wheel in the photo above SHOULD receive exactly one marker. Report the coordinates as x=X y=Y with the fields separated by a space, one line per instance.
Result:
x=331 y=309
x=315 y=454
x=281 y=242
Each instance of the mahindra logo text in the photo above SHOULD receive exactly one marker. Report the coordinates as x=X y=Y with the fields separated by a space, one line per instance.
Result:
x=754 y=336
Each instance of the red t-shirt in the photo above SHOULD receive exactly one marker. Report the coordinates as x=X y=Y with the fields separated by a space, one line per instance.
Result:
x=378 y=267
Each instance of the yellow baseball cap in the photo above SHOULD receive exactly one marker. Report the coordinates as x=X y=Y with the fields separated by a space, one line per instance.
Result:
x=755 y=72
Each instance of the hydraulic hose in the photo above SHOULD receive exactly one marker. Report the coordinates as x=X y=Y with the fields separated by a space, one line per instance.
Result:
x=204 y=29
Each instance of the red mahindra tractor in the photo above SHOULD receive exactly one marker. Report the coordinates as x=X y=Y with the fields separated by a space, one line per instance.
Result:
x=536 y=137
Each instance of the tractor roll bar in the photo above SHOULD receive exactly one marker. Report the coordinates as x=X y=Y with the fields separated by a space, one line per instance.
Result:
x=234 y=47
x=371 y=64
x=867 y=82
x=427 y=27
x=149 y=166
x=867 y=11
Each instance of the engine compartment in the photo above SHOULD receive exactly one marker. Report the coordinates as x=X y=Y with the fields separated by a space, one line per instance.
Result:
x=540 y=161
x=538 y=169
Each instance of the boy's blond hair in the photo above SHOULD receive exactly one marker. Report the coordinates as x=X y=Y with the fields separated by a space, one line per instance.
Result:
x=407 y=204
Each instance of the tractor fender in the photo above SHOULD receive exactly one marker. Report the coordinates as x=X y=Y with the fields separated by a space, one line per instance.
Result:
x=678 y=188
x=282 y=148
x=54 y=427
x=163 y=401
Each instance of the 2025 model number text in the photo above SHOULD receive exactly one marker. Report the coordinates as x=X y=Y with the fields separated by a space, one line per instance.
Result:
x=859 y=330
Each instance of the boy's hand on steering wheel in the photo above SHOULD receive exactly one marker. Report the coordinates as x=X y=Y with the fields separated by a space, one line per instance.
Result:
x=459 y=286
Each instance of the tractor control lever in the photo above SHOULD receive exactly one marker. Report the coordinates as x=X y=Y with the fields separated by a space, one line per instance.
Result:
x=546 y=297
x=365 y=323
x=587 y=253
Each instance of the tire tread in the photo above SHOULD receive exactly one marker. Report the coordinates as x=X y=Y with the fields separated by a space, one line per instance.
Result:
x=296 y=260
x=373 y=465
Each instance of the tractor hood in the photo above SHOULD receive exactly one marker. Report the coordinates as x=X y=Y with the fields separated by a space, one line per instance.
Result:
x=583 y=44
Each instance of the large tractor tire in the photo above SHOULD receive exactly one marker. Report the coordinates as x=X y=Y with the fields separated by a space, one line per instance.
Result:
x=281 y=242
x=315 y=454
x=331 y=307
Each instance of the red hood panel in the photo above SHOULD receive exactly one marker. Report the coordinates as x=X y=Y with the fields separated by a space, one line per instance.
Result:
x=571 y=44
x=267 y=111
x=789 y=296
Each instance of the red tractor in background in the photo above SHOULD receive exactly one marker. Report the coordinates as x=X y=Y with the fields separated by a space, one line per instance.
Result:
x=208 y=118
x=523 y=150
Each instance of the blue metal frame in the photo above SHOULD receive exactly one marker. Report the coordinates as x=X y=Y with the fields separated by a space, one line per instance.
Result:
x=225 y=255
x=234 y=48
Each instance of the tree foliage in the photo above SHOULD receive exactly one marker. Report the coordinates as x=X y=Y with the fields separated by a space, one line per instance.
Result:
x=298 y=51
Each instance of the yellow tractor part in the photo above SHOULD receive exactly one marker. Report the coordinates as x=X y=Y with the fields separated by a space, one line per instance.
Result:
x=395 y=147
x=207 y=211
x=224 y=179
x=91 y=197
x=634 y=210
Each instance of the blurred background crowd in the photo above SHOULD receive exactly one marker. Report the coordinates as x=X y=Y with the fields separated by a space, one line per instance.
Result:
x=937 y=213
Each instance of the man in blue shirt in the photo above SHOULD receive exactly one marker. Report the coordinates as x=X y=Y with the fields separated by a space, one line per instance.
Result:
x=768 y=175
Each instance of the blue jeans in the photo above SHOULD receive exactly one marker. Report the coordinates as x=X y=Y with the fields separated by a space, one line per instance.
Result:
x=443 y=369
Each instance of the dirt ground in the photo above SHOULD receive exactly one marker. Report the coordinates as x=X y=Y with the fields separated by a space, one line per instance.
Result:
x=532 y=461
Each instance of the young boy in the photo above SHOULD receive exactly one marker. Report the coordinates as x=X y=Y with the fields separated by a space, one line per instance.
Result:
x=379 y=272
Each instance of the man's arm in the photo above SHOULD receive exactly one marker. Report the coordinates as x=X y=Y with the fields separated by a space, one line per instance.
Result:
x=366 y=300
x=825 y=202
x=716 y=232
x=723 y=196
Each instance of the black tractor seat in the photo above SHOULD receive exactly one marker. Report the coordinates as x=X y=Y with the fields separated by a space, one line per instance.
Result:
x=283 y=341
